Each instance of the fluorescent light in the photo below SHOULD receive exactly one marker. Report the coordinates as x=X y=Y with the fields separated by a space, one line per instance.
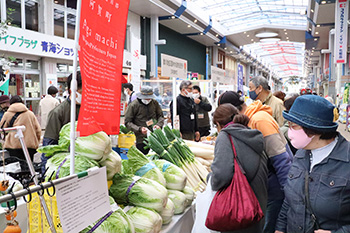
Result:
x=195 y=21
x=318 y=25
x=266 y=34
x=323 y=2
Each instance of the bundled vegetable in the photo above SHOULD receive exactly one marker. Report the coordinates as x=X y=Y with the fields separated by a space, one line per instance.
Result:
x=168 y=212
x=118 y=221
x=124 y=130
x=139 y=191
x=60 y=165
x=174 y=176
x=140 y=165
x=189 y=195
x=179 y=200
x=113 y=164
x=201 y=150
x=144 y=220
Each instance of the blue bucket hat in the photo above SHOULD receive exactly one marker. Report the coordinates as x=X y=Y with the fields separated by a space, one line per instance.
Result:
x=312 y=112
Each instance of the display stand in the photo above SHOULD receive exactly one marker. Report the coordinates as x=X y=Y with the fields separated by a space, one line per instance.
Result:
x=19 y=134
x=181 y=223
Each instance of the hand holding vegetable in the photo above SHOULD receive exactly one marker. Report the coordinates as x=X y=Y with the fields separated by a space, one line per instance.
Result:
x=144 y=130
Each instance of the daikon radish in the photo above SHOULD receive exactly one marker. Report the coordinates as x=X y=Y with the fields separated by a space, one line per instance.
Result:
x=203 y=161
x=199 y=144
x=203 y=153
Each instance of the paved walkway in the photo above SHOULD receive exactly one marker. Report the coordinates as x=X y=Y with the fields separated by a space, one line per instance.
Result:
x=343 y=131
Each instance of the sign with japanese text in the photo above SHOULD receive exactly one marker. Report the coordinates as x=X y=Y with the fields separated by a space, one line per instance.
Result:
x=34 y=43
x=173 y=67
x=341 y=31
x=240 y=77
x=136 y=63
x=217 y=74
x=101 y=40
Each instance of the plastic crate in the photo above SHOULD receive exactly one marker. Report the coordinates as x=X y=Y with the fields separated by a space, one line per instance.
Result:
x=37 y=219
x=126 y=140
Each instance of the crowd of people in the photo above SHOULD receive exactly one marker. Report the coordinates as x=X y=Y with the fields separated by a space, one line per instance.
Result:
x=294 y=159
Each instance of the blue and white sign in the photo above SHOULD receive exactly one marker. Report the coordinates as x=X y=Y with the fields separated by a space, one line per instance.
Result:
x=240 y=77
x=341 y=31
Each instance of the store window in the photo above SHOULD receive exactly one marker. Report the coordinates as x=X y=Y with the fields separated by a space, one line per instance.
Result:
x=63 y=71
x=65 y=18
x=127 y=39
x=24 y=17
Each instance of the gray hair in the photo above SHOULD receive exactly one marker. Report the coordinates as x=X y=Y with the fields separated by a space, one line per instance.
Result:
x=259 y=80
x=185 y=84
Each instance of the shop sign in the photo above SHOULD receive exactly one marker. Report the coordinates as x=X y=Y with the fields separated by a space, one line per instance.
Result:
x=218 y=75
x=101 y=60
x=341 y=31
x=240 y=77
x=173 y=67
x=136 y=63
x=38 y=44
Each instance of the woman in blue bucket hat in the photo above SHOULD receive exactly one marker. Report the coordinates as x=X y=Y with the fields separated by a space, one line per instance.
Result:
x=317 y=193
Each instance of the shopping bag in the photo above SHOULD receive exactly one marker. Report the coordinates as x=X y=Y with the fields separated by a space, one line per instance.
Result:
x=203 y=201
x=235 y=207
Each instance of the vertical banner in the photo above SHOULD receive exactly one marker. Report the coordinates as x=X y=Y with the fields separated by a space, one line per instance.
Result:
x=136 y=64
x=341 y=31
x=240 y=77
x=101 y=40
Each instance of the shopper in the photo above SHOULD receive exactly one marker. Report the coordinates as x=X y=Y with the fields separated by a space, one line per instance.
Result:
x=186 y=110
x=202 y=108
x=48 y=103
x=249 y=146
x=4 y=105
x=142 y=115
x=276 y=148
x=259 y=90
x=280 y=94
x=18 y=115
x=60 y=116
x=318 y=189
x=128 y=90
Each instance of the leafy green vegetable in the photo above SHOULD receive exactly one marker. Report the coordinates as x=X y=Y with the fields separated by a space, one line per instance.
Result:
x=144 y=193
x=168 y=212
x=113 y=164
x=189 y=195
x=179 y=200
x=117 y=222
x=52 y=149
x=140 y=165
x=144 y=220
x=174 y=176
x=124 y=130
x=81 y=164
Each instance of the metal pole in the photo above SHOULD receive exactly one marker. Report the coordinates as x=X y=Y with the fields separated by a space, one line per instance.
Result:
x=174 y=102
x=73 y=91
x=20 y=136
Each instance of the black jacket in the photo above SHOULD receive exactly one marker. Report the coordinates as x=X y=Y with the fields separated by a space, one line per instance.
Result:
x=185 y=108
x=202 y=110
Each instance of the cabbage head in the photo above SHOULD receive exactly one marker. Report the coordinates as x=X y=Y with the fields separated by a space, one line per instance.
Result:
x=189 y=195
x=168 y=212
x=117 y=222
x=144 y=192
x=174 y=176
x=179 y=200
x=81 y=164
x=113 y=164
x=144 y=220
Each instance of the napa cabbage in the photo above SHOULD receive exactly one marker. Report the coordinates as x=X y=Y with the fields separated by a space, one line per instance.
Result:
x=113 y=164
x=174 y=176
x=179 y=200
x=168 y=212
x=145 y=220
x=189 y=195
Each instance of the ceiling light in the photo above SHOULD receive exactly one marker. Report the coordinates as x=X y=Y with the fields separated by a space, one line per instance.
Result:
x=225 y=48
x=201 y=33
x=173 y=17
x=312 y=10
x=310 y=29
x=318 y=25
x=323 y=2
x=287 y=37
x=252 y=39
x=247 y=35
x=217 y=35
x=230 y=51
x=313 y=47
x=188 y=26
x=195 y=21
x=284 y=29
x=244 y=32
x=275 y=39
x=287 y=40
x=312 y=54
x=266 y=34
x=316 y=33
x=315 y=39
x=218 y=44
x=56 y=2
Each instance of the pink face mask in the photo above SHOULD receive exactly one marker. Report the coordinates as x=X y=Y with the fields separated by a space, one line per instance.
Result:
x=298 y=138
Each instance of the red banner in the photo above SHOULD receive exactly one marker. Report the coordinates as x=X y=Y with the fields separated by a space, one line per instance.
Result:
x=101 y=40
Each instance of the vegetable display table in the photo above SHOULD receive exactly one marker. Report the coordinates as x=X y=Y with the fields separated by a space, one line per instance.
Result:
x=181 y=223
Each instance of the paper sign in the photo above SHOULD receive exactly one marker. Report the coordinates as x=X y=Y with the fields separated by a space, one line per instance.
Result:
x=82 y=201
x=101 y=41
x=240 y=77
x=217 y=74
x=341 y=31
x=173 y=67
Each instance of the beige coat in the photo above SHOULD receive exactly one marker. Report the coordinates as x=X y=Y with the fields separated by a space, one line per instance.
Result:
x=277 y=108
x=45 y=106
x=27 y=118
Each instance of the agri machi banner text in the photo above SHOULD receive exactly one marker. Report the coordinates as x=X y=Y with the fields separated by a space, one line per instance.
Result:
x=101 y=40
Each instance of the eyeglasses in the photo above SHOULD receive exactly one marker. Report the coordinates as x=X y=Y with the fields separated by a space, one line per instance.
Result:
x=292 y=125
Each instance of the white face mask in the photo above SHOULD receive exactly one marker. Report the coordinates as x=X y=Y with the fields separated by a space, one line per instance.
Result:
x=78 y=98
x=195 y=96
x=189 y=94
x=146 y=101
